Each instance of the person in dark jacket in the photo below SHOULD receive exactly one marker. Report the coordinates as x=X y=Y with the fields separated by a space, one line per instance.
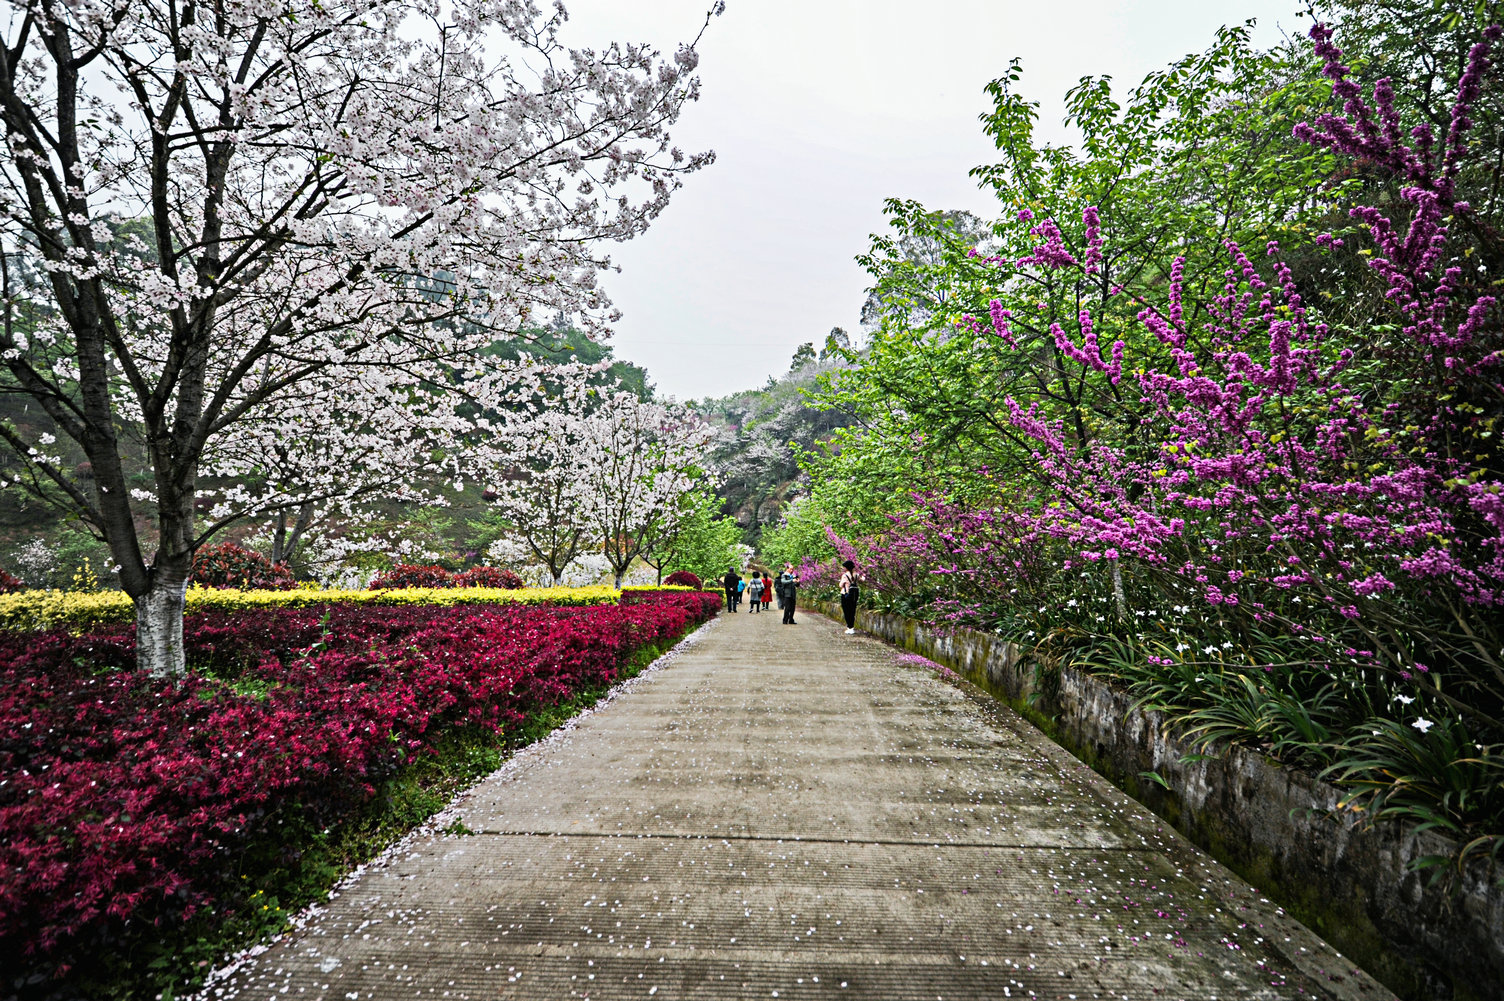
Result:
x=729 y=582
x=790 y=592
x=850 y=593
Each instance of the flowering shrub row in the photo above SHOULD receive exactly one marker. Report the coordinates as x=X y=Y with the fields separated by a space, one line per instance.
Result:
x=636 y=595
x=39 y=610
x=125 y=799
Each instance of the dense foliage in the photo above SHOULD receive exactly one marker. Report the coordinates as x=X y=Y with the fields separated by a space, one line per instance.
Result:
x=496 y=577
x=702 y=543
x=1214 y=408
x=128 y=801
x=763 y=433
x=231 y=566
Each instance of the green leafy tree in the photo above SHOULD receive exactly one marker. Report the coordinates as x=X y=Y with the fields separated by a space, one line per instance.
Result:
x=804 y=356
x=801 y=534
x=702 y=541
x=1195 y=155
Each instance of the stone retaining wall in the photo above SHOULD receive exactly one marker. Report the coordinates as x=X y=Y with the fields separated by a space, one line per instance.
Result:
x=1271 y=825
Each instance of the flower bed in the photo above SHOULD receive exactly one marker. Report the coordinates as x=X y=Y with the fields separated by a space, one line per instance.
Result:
x=130 y=802
x=41 y=610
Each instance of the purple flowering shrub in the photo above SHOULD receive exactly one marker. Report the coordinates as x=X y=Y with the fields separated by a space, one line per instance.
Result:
x=1274 y=475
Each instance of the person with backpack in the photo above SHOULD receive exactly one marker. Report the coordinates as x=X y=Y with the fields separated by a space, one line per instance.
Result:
x=754 y=591
x=849 y=594
x=790 y=593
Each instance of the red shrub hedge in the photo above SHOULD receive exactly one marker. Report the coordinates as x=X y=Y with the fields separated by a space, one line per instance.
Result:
x=9 y=584
x=705 y=603
x=413 y=575
x=488 y=577
x=682 y=578
x=233 y=566
x=125 y=799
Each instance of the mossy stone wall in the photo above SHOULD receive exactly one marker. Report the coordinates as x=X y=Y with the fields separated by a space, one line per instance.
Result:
x=1277 y=827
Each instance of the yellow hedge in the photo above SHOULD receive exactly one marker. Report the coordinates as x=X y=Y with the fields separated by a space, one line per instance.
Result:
x=32 y=610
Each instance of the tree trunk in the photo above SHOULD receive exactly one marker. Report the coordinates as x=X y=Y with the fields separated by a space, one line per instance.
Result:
x=159 y=624
x=1118 y=597
x=287 y=545
x=618 y=575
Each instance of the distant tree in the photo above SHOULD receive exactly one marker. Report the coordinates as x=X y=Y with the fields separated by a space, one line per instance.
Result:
x=537 y=481
x=700 y=540
x=638 y=461
x=836 y=342
x=925 y=241
x=804 y=355
x=563 y=341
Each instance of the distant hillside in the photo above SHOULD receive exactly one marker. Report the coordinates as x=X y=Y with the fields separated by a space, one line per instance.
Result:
x=759 y=466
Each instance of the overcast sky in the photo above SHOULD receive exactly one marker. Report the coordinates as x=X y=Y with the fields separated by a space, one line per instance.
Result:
x=818 y=110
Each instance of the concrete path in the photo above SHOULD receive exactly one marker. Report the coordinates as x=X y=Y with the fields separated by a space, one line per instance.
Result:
x=790 y=812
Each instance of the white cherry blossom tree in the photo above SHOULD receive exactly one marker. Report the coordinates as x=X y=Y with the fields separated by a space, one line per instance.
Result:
x=244 y=239
x=638 y=464
x=592 y=471
x=536 y=476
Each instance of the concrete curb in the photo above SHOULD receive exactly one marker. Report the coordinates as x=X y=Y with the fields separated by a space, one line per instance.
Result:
x=1272 y=825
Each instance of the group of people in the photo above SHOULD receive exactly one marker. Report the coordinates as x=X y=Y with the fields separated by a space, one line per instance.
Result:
x=763 y=588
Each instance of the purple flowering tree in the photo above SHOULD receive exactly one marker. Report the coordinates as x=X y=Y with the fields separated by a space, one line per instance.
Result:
x=1273 y=471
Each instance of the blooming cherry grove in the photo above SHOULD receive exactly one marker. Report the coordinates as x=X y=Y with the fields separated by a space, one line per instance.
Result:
x=582 y=473
x=274 y=238
x=538 y=482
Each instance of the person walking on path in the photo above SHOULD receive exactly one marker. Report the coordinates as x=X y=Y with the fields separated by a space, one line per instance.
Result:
x=729 y=583
x=849 y=594
x=767 y=591
x=754 y=591
x=790 y=582
x=741 y=587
